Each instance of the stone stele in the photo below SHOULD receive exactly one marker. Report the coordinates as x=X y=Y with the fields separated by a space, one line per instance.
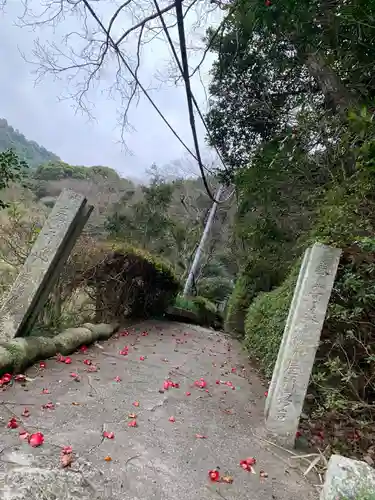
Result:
x=300 y=341
x=41 y=269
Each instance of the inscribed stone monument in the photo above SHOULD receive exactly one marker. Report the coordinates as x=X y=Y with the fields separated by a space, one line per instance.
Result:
x=43 y=265
x=300 y=341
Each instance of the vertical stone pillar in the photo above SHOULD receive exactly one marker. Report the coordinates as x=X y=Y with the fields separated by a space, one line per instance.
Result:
x=300 y=342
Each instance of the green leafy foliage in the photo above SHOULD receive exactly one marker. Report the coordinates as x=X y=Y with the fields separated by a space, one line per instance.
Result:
x=129 y=282
x=28 y=151
x=12 y=169
x=292 y=111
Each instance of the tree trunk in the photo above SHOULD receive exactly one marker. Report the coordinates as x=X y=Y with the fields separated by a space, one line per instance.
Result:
x=337 y=96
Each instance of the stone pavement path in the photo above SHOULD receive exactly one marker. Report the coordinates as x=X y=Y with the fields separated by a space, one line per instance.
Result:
x=158 y=459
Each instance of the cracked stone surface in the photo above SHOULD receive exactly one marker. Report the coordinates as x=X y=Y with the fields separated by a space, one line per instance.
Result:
x=158 y=459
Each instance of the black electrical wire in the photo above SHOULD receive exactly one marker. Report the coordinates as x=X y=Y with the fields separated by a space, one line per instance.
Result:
x=166 y=31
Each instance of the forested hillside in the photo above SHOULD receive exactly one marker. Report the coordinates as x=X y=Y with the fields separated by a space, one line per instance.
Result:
x=165 y=217
x=292 y=111
x=27 y=150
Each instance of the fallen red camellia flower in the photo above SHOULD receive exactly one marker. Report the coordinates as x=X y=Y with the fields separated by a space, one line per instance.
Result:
x=136 y=403
x=66 y=449
x=20 y=378
x=60 y=358
x=42 y=365
x=188 y=393
x=132 y=423
x=48 y=406
x=26 y=412
x=144 y=334
x=36 y=439
x=74 y=375
x=108 y=435
x=83 y=348
x=172 y=419
x=6 y=378
x=124 y=333
x=117 y=379
x=248 y=463
x=214 y=475
x=234 y=369
x=68 y=361
x=45 y=391
x=124 y=352
x=217 y=382
x=266 y=393
x=87 y=362
x=12 y=424
x=201 y=383
x=141 y=358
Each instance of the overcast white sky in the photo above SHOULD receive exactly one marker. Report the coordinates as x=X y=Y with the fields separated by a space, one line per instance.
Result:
x=40 y=115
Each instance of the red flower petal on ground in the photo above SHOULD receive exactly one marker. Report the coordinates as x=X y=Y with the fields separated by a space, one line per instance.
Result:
x=92 y=368
x=214 y=475
x=26 y=412
x=124 y=352
x=23 y=434
x=144 y=334
x=12 y=424
x=108 y=435
x=60 y=358
x=266 y=393
x=45 y=391
x=229 y=383
x=136 y=403
x=6 y=378
x=20 y=378
x=48 y=406
x=298 y=434
x=201 y=383
x=68 y=361
x=132 y=423
x=117 y=379
x=200 y=436
x=36 y=439
x=248 y=463
x=234 y=369
x=83 y=348
x=172 y=419
x=87 y=362
x=141 y=358
x=176 y=385
x=66 y=449
x=188 y=393
x=217 y=382
x=74 y=375
x=42 y=365
x=124 y=333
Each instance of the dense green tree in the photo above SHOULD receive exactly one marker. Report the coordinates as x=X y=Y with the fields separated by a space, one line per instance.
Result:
x=12 y=169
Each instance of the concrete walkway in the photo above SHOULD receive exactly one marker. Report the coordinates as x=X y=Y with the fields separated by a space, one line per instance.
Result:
x=158 y=459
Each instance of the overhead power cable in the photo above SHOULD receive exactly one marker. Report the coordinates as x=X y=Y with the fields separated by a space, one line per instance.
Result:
x=171 y=44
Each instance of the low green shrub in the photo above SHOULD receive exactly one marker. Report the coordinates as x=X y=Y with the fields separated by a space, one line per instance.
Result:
x=259 y=275
x=204 y=309
x=130 y=282
x=265 y=321
x=207 y=313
